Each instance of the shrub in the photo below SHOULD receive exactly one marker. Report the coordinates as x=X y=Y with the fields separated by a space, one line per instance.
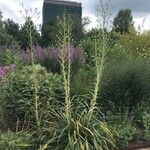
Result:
x=6 y=69
x=146 y=123
x=26 y=92
x=2 y=71
x=126 y=82
x=7 y=40
x=8 y=57
x=143 y=118
x=140 y=109
x=82 y=81
x=79 y=133
x=135 y=43
x=123 y=125
x=88 y=48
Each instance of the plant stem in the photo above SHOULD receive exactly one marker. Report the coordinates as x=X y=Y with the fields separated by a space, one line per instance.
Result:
x=64 y=40
x=100 y=56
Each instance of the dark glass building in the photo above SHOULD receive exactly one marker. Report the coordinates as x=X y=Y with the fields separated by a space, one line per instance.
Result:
x=53 y=8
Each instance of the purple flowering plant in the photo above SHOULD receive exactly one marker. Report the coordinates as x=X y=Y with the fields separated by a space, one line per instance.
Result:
x=2 y=71
x=49 y=57
x=5 y=69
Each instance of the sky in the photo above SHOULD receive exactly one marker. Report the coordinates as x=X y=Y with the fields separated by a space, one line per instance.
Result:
x=140 y=10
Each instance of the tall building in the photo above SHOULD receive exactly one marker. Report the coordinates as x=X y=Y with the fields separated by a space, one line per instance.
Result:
x=53 y=8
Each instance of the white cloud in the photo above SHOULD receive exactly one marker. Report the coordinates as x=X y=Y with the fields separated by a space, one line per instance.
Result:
x=10 y=6
x=93 y=20
x=142 y=22
x=11 y=9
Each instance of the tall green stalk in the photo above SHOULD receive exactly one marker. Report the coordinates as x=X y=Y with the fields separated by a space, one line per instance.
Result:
x=100 y=54
x=35 y=82
x=65 y=25
x=34 y=69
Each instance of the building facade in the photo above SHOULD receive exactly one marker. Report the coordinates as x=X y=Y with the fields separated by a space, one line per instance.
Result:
x=54 y=8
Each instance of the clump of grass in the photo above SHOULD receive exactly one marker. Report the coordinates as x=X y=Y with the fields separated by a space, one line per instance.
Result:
x=78 y=127
x=16 y=141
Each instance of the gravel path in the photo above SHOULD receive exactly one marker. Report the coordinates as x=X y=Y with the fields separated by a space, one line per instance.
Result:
x=144 y=149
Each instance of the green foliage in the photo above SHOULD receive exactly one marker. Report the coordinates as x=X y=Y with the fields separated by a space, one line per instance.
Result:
x=135 y=44
x=77 y=27
x=77 y=126
x=9 y=57
x=48 y=37
x=126 y=81
x=67 y=111
x=1 y=22
x=123 y=125
x=29 y=35
x=12 y=28
x=17 y=94
x=83 y=134
x=6 y=40
x=88 y=43
x=77 y=30
x=123 y=21
x=88 y=48
x=142 y=114
x=82 y=81
x=16 y=141
x=50 y=30
x=146 y=123
x=142 y=107
x=1 y=16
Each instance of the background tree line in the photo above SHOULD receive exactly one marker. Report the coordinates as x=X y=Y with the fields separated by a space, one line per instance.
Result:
x=12 y=32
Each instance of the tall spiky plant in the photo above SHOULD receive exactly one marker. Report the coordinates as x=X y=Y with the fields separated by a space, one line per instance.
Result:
x=64 y=39
x=65 y=25
x=100 y=49
x=77 y=127
x=28 y=15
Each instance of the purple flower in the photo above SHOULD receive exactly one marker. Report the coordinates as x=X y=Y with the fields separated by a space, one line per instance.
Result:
x=76 y=54
x=2 y=71
x=6 y=69
x=50 y=57
x=52 y=53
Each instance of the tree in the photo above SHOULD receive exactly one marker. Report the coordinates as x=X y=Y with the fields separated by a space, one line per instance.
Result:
x=77 y=29
x=12 y=28
x=123 y=21
x=6 y=40
x=1 y=16
x=1 y=22
x=29 y=35
x=48 y=34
